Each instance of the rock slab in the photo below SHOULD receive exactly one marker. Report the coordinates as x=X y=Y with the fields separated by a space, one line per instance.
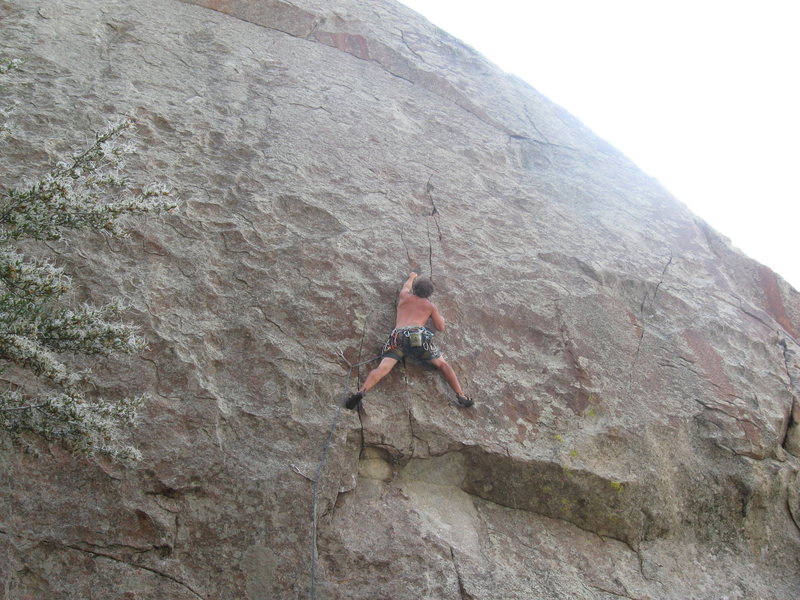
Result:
x=635 y=433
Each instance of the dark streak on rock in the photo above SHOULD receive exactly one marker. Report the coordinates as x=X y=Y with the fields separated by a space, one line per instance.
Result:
x=408 y=255
x=642 y=319
x=97 y=554
x=462 y=592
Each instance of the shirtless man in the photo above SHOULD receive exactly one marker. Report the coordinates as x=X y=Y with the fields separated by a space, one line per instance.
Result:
x=410 y=337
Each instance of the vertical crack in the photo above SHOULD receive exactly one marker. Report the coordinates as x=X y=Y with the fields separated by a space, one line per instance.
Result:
x=791 y=421
x=361 y=343
x=430 y=250
x=411 y=430
x=655 y=290
x=408 y=254
x=792 y=516
x=434 y=210
x=314 y=494
x=462 y=592
x=790 y=426
x=358 y=360
x=435 y=216
x=642 y=318
x=324 y=459
x=636 y=357
x=429 y=189
x=640 y=560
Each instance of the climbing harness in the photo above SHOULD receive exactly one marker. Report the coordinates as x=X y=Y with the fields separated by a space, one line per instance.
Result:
x=320 y=470
x=417 y=341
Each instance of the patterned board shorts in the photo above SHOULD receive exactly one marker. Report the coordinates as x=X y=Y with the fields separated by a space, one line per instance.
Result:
x=412 y=342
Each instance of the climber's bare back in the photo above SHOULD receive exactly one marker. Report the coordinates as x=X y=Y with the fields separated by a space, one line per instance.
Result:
x=415 y=311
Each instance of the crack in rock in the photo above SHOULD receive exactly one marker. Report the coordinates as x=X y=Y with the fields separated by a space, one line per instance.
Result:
x=99 y=554
x=791 y=432
x=461 y=590
x=643 y=319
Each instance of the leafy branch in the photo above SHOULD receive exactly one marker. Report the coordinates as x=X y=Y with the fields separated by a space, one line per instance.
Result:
x=41 y=328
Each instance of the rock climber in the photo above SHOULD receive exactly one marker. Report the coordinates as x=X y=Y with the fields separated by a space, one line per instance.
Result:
x=410 y=337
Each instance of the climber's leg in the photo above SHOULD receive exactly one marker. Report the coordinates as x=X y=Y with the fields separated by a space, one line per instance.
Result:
x=378 y=373
x=452 y=380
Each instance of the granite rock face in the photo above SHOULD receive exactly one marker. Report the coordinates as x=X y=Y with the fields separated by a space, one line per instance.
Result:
x=635 y=433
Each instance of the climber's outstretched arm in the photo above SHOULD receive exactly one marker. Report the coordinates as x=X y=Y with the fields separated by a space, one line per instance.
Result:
x=409 y=282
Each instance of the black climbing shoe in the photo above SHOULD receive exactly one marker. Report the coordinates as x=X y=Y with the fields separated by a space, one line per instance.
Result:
x=354 y=400
x=464 y=401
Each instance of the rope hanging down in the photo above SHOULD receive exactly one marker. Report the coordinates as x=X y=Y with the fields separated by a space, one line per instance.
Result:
x=318 y=475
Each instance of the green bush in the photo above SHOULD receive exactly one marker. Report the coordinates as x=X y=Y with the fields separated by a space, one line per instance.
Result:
x=41 y=326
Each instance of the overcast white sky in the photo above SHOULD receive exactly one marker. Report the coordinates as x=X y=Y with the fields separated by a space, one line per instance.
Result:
x=704 y=95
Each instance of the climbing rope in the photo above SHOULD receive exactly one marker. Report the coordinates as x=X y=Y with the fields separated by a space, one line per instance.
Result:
x=321 y=469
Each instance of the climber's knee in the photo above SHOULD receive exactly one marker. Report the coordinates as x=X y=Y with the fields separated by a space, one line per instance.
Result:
x=440 y=363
